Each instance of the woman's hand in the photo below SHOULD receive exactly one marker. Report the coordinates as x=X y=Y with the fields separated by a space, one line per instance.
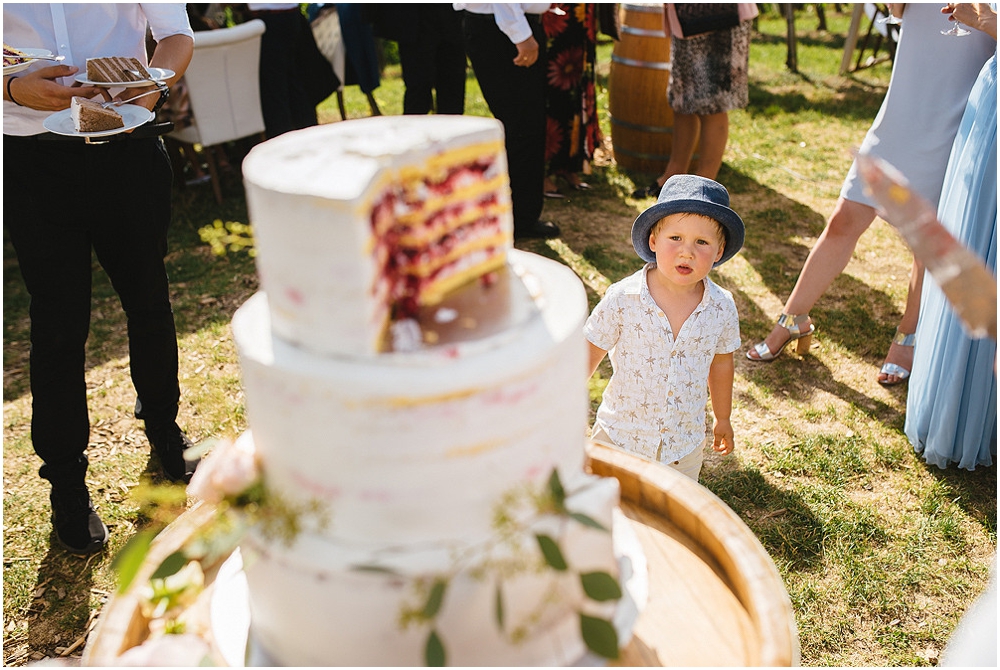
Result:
x=39 y=89
x=978 y=15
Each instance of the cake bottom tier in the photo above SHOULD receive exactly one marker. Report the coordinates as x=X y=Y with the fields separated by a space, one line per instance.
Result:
x=501 y=604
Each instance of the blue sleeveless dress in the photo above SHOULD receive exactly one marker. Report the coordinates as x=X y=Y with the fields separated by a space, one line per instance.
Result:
x=951 y=408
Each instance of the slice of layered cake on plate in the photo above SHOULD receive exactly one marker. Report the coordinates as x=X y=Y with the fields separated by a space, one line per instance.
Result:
x=425 y=383
x=91 y=117
x=115 y=69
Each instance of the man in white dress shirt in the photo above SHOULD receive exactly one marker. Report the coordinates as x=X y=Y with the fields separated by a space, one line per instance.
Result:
x=505 y=43
x=68 y=198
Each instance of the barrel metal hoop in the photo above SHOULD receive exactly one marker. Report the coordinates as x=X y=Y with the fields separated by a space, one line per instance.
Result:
x=640 y=63
x=640 y=155
x=642 y=32
x=645 y=129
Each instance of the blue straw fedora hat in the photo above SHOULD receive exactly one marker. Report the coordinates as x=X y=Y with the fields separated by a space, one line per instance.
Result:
x=692 y=195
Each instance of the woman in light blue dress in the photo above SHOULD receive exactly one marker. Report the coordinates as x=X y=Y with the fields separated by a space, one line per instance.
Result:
x=952 y=402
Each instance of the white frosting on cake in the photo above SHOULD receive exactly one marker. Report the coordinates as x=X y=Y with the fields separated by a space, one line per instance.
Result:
x=314 y=190
x=416 y=453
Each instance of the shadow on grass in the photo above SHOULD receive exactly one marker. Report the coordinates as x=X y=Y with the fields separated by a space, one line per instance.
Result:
x=855 y=103
x=60 y=614
x=974 y=492
x=825 y=40
x=781 y=520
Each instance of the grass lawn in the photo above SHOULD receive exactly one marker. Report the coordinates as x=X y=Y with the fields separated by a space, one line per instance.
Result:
x=880 y=553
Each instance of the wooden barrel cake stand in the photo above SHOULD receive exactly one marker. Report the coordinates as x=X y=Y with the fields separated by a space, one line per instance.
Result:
x=715 y=596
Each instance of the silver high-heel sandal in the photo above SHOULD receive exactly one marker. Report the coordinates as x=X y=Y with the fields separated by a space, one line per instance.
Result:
x=892 y=369
x=802 y=338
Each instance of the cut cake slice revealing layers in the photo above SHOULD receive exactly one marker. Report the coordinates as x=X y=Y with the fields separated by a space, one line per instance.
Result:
x=91 y=117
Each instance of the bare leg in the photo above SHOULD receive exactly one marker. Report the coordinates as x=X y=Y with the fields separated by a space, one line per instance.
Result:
x=714 y=136
x=826 y=261
x=899 y=354
x=686 y=128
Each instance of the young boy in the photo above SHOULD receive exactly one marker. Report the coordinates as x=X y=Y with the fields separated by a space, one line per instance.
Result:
x=671 y=331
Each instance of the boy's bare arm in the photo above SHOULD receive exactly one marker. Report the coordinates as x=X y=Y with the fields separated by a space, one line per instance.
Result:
x=596 y=356
x=720 y=385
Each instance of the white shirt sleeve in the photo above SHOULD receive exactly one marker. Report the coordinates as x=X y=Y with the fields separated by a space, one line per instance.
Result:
x=510 y=19
x=166 y=19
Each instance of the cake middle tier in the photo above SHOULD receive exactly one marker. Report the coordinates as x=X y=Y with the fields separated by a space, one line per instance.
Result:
x=420 y=446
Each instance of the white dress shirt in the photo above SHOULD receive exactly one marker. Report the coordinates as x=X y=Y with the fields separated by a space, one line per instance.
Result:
x=92 y=30
x=508 y=15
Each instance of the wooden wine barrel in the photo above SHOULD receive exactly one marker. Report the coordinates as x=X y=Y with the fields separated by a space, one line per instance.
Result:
x=714 y=595
x=641 y=118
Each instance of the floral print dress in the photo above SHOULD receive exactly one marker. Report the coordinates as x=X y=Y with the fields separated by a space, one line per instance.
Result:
x=572 y=128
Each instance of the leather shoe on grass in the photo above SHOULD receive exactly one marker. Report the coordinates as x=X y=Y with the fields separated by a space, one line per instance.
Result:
x=169 y=442
x=77 y=526
x=540 y=230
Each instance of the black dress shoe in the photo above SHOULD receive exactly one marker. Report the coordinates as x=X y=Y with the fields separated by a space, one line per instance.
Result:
x=77 y=526
x=540 y=230
x=169 y=442
x=651 y=191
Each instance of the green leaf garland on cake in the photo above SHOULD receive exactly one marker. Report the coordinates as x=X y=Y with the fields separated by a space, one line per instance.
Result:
x=503 y=556
x=514 y=549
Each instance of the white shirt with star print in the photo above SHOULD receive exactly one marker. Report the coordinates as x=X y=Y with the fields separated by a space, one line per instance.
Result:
x=654 y=404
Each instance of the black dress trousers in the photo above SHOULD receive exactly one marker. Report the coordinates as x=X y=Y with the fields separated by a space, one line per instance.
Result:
x=516 y=97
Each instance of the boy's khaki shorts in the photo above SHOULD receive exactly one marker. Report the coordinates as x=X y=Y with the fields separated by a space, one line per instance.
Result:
x=689 y=465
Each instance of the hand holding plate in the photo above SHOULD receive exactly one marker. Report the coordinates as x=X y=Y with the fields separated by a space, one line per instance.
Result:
x=39 y=89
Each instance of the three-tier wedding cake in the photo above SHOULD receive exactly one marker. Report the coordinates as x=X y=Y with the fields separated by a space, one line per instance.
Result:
x=423 y=381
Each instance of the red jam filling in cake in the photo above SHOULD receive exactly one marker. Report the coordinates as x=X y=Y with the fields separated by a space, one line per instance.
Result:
x=438 y=229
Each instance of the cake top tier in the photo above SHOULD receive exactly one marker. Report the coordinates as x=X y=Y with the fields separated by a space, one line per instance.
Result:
x=362 y=226
x=340 y=161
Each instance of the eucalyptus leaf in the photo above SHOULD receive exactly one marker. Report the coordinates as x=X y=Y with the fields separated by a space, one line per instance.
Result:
x=600 y=586
x=171 y=565
x=587 y=521
x=434 y=651
x=499 y=607
x=128 y=561
x=556 y=490
x=435 y=599
x=551 y=552
x=599 y=636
